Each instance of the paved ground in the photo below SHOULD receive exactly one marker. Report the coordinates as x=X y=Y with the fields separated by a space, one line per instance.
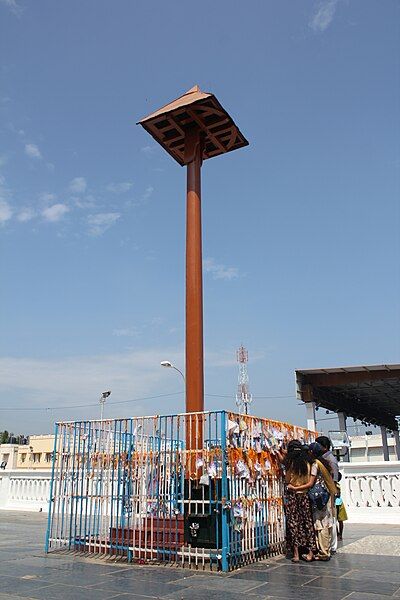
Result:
x=367 y=567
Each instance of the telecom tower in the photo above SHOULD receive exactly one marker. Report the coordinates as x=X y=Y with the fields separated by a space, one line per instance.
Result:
x=243 y=396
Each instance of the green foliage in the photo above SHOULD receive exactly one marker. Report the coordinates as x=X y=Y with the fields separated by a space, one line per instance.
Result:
x=4 y=437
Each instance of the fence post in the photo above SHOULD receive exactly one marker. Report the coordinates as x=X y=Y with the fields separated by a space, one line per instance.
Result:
x=225 y=498
x=49 y=516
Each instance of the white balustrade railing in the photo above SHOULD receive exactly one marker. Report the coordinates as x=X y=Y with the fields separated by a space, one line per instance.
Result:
x=24 y=490
x=371 y=491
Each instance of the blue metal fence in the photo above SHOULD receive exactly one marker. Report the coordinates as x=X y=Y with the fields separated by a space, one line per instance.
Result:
x=133 y=489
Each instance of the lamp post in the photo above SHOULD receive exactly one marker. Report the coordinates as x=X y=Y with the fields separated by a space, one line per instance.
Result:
x=102 y=401
x=193 y=128
x=169 y=365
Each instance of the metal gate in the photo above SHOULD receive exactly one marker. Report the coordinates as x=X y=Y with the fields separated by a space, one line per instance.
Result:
x=196 y=489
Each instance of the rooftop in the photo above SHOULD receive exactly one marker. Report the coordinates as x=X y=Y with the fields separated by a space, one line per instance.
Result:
x=369 y=393
x=365 y=568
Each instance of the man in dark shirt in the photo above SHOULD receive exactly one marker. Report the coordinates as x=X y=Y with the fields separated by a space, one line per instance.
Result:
x=331 y=459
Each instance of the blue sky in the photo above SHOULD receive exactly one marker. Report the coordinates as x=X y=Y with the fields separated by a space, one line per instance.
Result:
x=301 y=229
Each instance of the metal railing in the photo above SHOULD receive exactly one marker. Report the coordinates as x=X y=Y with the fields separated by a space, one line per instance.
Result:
x=197 y=489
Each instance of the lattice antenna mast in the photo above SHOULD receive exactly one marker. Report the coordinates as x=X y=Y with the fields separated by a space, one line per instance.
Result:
x=243 y=396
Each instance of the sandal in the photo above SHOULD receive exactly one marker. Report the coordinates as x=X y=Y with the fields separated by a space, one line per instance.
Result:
x=306 y=558
x=295 y=560
x=322 y=558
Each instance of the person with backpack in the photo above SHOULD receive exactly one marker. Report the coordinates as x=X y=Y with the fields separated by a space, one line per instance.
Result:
x=330 y=458
x=300 y=533
x=321 y=491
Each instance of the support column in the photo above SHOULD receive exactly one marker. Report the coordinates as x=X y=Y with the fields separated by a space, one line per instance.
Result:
x=307 y=397
x=342 y=421
x=194 y=292
x=194 y=275
x=342 y=417
x=311 y=420
x=384 y=443
x=397 y=443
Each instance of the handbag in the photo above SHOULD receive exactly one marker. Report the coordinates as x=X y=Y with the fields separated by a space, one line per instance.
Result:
x=319 y=495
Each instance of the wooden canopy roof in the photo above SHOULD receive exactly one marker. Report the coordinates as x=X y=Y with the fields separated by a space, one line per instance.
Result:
x=169 y=124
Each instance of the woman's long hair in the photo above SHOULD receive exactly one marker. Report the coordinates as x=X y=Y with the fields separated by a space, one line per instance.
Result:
x=297 y=459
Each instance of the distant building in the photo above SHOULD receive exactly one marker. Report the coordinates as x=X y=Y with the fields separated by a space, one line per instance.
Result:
x=368 y=448
x=8 y=456
x=35 y=455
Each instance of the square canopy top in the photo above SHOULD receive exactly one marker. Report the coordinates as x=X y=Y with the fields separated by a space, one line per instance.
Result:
x=169 y=124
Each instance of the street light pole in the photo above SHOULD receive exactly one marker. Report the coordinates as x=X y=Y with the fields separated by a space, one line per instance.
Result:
x=169 y=365
x=102 y=401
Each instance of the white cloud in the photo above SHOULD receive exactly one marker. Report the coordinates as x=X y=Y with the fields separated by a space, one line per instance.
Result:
x=55 y=212
x=25 y=215
x=323 y=15
x=5 y=208
x=147 y=194
x=47 y=197
x=88 y=201
x=80 y=379
x=32 y=150
x=13 y=5
x=99 y=223
x=78 y=185
x=119 y=188
x=135 y=373
x=5 y=211
x=148 y=150
x=156 y=321
x=220 y=271
x=127 y=332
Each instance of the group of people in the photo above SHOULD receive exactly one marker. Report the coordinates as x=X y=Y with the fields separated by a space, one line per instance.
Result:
x=312 y=500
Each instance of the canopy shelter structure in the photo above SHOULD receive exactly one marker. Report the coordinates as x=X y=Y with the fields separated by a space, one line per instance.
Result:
x=370 y=394
x=193 y=128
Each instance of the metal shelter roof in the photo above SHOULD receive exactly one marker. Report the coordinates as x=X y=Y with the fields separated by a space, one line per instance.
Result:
x=369 y=393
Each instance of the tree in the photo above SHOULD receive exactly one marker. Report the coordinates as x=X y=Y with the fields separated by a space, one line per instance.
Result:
x=4 y=437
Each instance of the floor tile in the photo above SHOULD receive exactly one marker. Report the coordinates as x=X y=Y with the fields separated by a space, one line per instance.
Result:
x=135 y=586
x=21 y=587
x=72 y=592
x=315 y=568
x=363 y=574
x=196 y=594
x=377 y=545
x=159 y=574
x=335 y=583
x=218 y=583
x=275 y=576
x=294 y=592
x=365 y=596
x=358 y=561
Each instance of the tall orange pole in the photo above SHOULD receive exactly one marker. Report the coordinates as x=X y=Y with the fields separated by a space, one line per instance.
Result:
x=194 y=289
